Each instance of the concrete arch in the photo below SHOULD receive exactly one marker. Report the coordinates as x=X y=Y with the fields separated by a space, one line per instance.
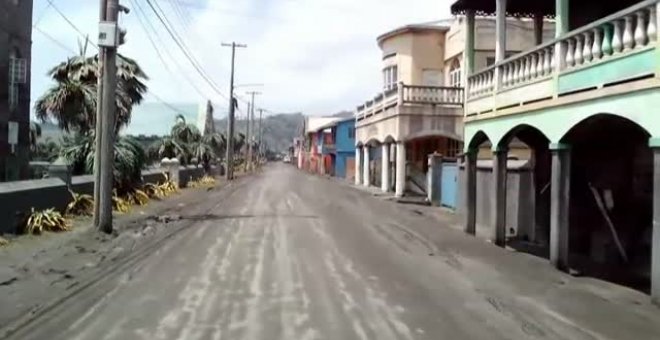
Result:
x=389 y=139
x=528 y=134
x=555 y=122
x=477 y=139
x=359 y=144
x=373 y=142
x=619 y=120
x=433 y=133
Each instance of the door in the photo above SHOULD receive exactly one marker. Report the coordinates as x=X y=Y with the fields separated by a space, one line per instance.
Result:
x=449 y=186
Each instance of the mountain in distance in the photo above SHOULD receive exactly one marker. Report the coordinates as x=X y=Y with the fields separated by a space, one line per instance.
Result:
x=278 y=130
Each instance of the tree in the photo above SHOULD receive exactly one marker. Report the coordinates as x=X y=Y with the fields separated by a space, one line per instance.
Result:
x=188 y=145
x=129 y=158
x=35 y=133
x=72 y=100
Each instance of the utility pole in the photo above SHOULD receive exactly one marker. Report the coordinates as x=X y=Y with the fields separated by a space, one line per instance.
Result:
x=250 y=117
x=110 y=37
x=261 y=113
x=99 y=117
x=230 y=117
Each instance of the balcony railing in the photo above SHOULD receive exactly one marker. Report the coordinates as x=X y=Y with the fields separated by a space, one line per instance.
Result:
x=625 y=32
x=411 y=94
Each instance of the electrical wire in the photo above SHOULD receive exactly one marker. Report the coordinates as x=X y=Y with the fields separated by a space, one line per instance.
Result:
x=176 y=63
x=181 y=46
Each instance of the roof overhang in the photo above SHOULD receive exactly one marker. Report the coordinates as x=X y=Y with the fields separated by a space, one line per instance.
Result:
x=514 y=8
x=410 y=29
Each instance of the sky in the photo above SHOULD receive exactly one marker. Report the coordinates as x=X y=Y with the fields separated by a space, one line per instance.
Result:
x=312 y=56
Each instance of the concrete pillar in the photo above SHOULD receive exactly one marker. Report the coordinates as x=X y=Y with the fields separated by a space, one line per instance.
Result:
x=471 y=191
x=500 y=39
x=358 y=165
x=538 y=29
x=499 y=196
x=561 y=17
x=62 y=170
x=559 y=204
x=400 y=169
x=366 y=173
x=385 y=168
x=500 y=30
x=655 y=240
x=434 y=179
x=468 y=54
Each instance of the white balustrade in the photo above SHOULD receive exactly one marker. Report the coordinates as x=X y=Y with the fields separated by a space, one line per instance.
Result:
x=623 y=32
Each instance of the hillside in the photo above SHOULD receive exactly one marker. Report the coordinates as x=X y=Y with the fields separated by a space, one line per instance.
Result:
x=278 y=130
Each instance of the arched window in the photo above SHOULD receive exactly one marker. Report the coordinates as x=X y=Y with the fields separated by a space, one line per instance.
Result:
x=455 y=74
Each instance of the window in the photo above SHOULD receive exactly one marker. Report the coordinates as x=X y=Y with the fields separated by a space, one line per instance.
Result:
x=351 y=132
x=455 y=74
x=390 y=77
x=17 y=75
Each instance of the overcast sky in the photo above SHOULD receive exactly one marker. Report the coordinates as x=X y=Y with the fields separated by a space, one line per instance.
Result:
x=313 y=56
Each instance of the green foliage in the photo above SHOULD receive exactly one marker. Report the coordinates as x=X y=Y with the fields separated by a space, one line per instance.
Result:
x=45 y=220
x=72 y=100
x=80 y=205
x=129 y=158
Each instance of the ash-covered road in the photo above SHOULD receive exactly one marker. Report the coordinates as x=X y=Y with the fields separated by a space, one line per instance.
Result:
x=293 y=256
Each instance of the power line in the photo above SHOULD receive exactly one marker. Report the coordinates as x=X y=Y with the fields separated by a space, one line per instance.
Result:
x=184 y=50
x=57 y=42
x=85 y=35
x=137 y=5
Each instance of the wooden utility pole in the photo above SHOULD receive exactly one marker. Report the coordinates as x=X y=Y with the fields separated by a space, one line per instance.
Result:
x=261 y=113
x=99 y=116
x=229 y=172
x=109 y=109
x=249 y=135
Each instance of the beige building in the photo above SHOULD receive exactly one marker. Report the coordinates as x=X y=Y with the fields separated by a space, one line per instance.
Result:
x=419 y=110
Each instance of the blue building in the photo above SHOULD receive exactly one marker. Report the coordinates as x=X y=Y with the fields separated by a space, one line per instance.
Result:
x=344 y=155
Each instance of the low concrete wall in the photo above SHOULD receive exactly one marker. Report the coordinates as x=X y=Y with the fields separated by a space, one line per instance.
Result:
x=17 y=198
x=519 y=198
x=83 y=184
x=189 y=173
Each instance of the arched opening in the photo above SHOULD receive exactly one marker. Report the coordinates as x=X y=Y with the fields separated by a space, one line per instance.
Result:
x=528 y=189
x=455 y=74
x=418 y=148
x=611 y=196
x=478 y=180
x=374 y=162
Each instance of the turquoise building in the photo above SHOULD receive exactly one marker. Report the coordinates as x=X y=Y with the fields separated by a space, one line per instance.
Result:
x=585 y=104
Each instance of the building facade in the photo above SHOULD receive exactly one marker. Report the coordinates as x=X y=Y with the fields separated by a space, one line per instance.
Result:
x=584 y=104
x=344 y=132
x=15 y=56
x=419 y=110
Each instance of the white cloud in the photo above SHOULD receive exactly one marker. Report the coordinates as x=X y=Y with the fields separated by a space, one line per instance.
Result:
x=316 y=56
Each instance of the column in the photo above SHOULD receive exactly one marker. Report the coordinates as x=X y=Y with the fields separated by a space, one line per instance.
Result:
x=468 y=55
x=385 y=167
x=500 y=39
x=400 y=169
x=471 y=191
x=559 y=204
x=500 y=30
x=538 y=29
x=561 y=17
x=366 y=174
x=358 y=165
x=499 y=196
x=654 y=143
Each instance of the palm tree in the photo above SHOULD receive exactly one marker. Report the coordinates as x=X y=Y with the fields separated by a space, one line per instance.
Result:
x=35 y=133
x=129 y=158
x=184 y=132
x=167 y=147
x=72 y=100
